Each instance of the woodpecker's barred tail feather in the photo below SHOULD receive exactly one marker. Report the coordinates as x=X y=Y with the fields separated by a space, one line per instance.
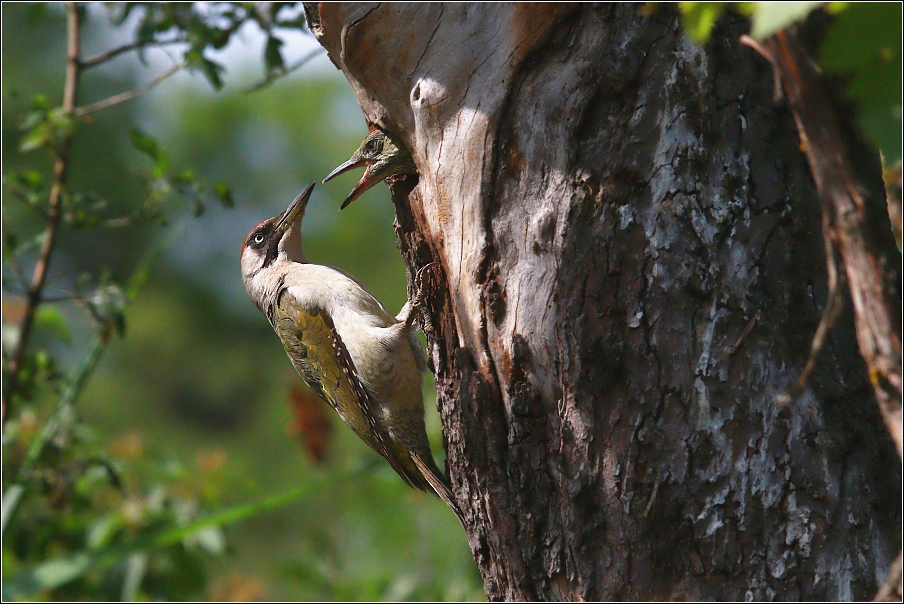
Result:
x=440 y=487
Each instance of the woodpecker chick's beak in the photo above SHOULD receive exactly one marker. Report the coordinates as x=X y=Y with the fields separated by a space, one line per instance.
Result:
x=364 y=184
x=381 y=155
x=345 y=167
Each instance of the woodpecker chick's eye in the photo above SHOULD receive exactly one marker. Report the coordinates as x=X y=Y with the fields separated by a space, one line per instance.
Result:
x=258 y=239
x=371 y=146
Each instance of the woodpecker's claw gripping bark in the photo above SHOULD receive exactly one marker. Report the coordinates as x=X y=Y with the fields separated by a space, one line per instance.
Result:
x=416 y=307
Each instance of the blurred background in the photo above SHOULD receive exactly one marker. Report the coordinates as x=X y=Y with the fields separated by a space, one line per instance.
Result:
x=198 y=399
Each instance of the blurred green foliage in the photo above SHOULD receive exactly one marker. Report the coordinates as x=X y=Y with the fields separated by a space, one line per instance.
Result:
x=862 y=43
x=153 y=449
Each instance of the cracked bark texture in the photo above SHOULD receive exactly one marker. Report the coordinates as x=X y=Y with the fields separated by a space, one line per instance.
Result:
x=612 y=207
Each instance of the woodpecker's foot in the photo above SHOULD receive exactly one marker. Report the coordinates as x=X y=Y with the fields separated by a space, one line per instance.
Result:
x=415 y=307
x=423 y=311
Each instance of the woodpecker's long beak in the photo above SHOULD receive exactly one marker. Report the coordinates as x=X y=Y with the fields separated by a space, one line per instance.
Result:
x=343 y=168
x=364 y=184
x=295 y=212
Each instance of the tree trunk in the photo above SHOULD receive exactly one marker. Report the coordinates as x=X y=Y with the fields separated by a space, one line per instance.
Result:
x=631 y=271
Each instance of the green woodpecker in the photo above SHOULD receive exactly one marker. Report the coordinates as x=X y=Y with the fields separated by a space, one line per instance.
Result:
x=381 y=155
x=357 y=357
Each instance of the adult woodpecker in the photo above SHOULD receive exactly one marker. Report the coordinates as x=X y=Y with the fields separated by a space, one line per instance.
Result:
x=381 y=155
x=357 y=357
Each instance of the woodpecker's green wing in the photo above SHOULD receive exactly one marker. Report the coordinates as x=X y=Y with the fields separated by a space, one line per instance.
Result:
x=322 y=359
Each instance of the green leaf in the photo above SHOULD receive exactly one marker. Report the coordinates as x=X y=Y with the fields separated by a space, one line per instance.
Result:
x=272 y=56
x=224 y=193
x=864 y=41
x=883 y=127
x=212 y=72
x=700 y=17
x=37 y=137
x=211 y=539
x=877 y=90
x=218 y=38
x=861 y=35
x=48 y=575
x=62 y=122
x=31 y=179
x=196 y=61
x=32 y=119
x=235 y=514
x=136 y=566
x=10 y=241
x=39 y=101
x=9 y=504
x=36 y=12
x=144 y=143
x=45 y=126
x=102 y=532
x=49 y=319
x=44 y=361
x=186 y=177
x=284 y=15
x=770 y=17
x=55 y=573
x=148 y=145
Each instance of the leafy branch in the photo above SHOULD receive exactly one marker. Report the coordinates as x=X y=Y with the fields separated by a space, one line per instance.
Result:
x=128 y=95
x=60 y=487
x=279 y=73
x=103 y=57
x=107 y=306
x=59 y=571
x=61 y=166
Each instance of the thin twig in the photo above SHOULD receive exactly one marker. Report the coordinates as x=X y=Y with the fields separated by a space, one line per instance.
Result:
x=106 y=56
x=17 y=269
x=269 y=79
x=127 y=96
x=77 y=298
x=744 y=335
x=61 y=165
x=834 y=306
x=776 y=73
x=658 y=482
x=23 y=293
x=14 y=292
x=123 y=221
x=118 y=223
x=30 y=204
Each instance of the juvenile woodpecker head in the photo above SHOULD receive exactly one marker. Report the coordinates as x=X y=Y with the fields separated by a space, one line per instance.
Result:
x=270 y=246
x=381 y=155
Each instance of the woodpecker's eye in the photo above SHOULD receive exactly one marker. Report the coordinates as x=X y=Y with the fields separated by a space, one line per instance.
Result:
x=258 y=239
x=371 y=146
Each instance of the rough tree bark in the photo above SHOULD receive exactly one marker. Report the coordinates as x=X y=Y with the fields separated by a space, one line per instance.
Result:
x=632 y=271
